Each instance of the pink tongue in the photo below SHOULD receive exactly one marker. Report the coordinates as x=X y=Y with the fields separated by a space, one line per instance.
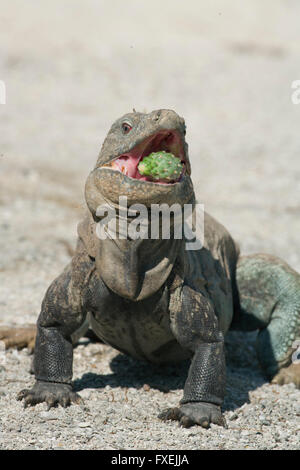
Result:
x=127 y=164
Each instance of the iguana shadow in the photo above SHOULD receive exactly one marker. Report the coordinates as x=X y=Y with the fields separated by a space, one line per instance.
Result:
x=243 y=372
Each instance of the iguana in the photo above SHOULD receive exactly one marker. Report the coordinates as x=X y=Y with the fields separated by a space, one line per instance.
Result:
x=152 y=298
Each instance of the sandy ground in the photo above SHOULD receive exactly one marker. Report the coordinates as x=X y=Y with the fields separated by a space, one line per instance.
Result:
x=70 y=69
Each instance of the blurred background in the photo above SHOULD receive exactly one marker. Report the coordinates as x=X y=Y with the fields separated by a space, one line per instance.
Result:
x=72 y=67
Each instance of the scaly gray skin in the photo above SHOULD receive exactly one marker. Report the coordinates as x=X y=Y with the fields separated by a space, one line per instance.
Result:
x=156 y=301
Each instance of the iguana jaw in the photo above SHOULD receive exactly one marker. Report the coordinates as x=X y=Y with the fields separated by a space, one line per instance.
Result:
x=167 y=139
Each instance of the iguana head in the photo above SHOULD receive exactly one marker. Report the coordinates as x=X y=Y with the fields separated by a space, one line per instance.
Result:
x=130 y=139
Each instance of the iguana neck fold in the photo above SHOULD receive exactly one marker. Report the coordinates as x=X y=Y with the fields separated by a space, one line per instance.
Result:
x=133 y=269
x=136 y=269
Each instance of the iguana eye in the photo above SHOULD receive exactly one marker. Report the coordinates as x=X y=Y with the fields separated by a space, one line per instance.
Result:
x=126 y=127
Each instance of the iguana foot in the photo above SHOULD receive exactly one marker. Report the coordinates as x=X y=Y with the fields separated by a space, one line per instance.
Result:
x=18 y=337
x=286 y=375
x=190 y=414
x=51 y=393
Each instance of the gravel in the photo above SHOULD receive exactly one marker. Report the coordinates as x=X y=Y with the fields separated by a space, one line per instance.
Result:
x=122 y=399
x=227 y=68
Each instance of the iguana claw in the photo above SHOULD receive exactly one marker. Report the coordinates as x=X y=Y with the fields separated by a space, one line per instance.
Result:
x=52 y=393
x=200 y=413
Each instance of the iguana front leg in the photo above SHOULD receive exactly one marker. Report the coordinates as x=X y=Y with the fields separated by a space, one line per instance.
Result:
x=195 y=326
x=52 y=365
x=61 y=315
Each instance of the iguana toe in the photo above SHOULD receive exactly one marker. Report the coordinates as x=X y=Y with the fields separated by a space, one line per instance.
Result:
x=286 y=375
x=200 y=413
x=169 y=413
x=186 y=422
x=52 y=394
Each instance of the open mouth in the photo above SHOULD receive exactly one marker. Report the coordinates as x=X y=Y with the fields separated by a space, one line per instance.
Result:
x=165 y=140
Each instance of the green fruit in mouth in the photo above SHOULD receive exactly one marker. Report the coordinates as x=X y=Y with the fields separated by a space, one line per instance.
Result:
x=161 y=166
